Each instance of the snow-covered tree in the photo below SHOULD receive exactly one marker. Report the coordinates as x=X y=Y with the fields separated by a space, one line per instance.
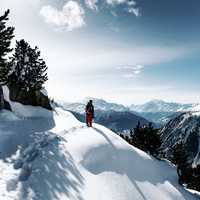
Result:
x=28 y=68
x=6 y=35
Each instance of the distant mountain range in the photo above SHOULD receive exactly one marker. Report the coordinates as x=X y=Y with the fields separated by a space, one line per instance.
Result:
x=115 y=120
x=157 y=111
x=99 y=104
x=161 y=112
x=157 y=106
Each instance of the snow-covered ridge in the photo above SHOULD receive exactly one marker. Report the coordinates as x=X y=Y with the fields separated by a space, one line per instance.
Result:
x=81 y=164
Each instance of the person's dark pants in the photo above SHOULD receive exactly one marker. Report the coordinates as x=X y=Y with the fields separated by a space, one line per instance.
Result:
x=89 y=120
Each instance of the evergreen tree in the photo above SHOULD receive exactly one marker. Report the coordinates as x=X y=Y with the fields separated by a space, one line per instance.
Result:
x=146 y=139
x=131 y=136
x=121 y=135
x=29 y=70
x=188 y=174
x=6 y=35
x=179 y=154
x=179 y=158
x=193 y=179
x=137 y=139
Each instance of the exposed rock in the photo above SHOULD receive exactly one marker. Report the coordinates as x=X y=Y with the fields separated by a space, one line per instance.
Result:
x=181 y=144
x=34 y=98
x=183 y=129
x=3 y=103
x=7 y=105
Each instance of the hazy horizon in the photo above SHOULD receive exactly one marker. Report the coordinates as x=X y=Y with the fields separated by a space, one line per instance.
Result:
x=85 y=99
x=123 y=51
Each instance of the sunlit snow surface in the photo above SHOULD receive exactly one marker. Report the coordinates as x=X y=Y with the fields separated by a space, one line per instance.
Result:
x=52 y=156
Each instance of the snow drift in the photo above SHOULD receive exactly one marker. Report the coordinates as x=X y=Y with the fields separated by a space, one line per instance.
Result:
x=52 y=156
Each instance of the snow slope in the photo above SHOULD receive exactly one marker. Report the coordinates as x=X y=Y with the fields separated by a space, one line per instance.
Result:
x=52 y=156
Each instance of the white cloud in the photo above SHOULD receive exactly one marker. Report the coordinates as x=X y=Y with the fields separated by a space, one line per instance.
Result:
x=131 y=3
x=115 y=2
x=131 y=6
x=131 y=71
x=137 y=69
x=70 y=17
x=92 y=4
x=135 y=11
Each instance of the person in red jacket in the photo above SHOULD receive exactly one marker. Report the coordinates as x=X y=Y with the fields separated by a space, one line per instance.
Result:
x=89 y=111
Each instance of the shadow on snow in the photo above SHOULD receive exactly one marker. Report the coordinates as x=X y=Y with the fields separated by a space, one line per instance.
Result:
x=56 y=176
x=129 y=162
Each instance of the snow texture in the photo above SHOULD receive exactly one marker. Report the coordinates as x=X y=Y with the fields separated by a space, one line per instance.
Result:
x=52 y=156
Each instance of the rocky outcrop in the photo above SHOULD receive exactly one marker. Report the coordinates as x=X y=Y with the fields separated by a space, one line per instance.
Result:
x=7 y=105
x=181 y=145
x=183 y=129
x=34 y=98
x=3 y=103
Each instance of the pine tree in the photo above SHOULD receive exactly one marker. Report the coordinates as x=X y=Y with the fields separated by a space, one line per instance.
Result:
x=146 y=138
x=29 y=70
x=179 y=155
x=131 y=136
x=137 y=139
x=6 y=35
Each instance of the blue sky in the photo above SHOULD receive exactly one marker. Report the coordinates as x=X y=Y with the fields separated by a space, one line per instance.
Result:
x=127 y=51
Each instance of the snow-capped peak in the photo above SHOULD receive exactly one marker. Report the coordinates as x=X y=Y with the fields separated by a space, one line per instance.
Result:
x=156 y=105
x=99 y=104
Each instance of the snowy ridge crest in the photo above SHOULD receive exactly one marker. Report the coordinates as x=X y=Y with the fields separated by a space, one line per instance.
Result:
x=61 y=158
